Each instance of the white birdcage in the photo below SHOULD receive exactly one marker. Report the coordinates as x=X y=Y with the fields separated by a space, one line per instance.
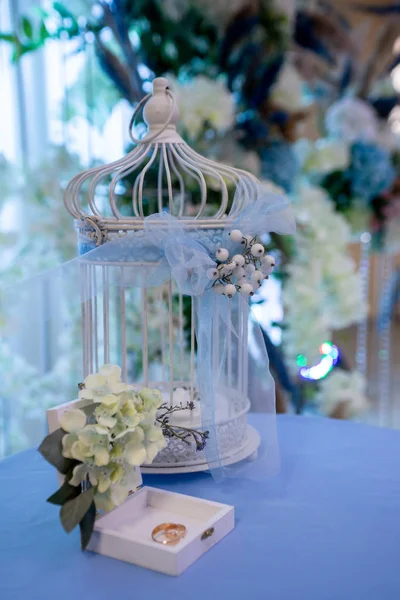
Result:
x=150 y=331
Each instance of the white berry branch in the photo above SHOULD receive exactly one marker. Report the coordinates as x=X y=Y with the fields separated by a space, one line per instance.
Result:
x=243 y=273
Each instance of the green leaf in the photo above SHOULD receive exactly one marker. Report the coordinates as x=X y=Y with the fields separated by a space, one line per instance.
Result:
x=43 y=32
x=87 y=525
x=51 y=448
x=74 y=510
x=64 y=494
x=26 y=27
x=63 y=11
x=8 y=37
x=21 y=49
x=40 y=12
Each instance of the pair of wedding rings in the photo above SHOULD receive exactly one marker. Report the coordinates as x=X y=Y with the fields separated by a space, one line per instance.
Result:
x=168 y=533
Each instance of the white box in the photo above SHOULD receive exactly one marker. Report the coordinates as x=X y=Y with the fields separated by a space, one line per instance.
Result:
x=125 y=533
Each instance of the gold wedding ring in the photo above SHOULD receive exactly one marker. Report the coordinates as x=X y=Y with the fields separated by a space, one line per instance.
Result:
x=168 y=533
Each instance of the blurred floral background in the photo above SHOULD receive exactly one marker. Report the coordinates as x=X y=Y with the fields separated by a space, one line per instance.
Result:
x=302 y=94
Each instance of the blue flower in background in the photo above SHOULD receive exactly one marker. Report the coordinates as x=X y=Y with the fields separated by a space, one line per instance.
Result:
x=279 y=164
x=371 y=170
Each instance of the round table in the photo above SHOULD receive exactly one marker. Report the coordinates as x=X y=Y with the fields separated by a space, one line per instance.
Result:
x=326 y=528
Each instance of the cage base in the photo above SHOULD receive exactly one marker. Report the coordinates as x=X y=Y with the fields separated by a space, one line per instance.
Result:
x=247 y=451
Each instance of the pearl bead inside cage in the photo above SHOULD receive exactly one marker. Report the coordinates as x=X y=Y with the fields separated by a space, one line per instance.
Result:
x=150 y=331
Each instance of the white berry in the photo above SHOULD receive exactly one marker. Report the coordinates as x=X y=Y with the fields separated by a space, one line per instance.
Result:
x=239 y=272
x=228 y=268
x=238 y=259
x=229 y=290
x=266 y=269
x=268 y=260
x=212 y=273
x=250 y=268
x=257 y=249
x=247 y=239
x=257 y=277
x=222 y=254
x=236 y=235
x=246 y=289
x=219 y=288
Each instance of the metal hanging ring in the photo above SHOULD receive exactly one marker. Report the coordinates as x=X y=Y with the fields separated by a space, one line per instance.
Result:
x=140 y=107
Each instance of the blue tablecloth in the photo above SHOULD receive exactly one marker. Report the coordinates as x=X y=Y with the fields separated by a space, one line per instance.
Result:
x=326 y=528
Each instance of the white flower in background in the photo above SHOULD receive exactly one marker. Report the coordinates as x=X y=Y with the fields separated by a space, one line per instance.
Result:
x=203 y=101
x=383 y=88
x=118 y=435
x=323 y=156
x=270 y=187
x=393 y=236
x=10 y=179
x=323 y=292
x=388 y=138
x=395 y=77
x=220 y=12
x=287 y=91
x=343 y=391
x=352 y=119
x=307 y=325
x=175 y=9
x=226 y=150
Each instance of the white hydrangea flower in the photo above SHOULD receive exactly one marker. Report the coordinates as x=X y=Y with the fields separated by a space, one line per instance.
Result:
x=116 y=492
x=151 y=398
x=154 y=441
x=323 y=292
x=287 y=91
x=105 y=382
x=388 y=137
x=395 y=77
x=383 y=87
x=323 y=156
x=112 y=373
x=352 y=119
x=135 y=451
x=203 y=101
x=270 y=187
x=123 y=436
x=345 y=389
x=73 y=420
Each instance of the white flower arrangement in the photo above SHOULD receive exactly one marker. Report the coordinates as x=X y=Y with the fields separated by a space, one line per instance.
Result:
x=98 y=447
x=343 y=393
x=352 y=119
x=203 y=101
x=383 y=87
x=323 y=292
x=322 y=156
x=287 y=92
x=123 y=435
